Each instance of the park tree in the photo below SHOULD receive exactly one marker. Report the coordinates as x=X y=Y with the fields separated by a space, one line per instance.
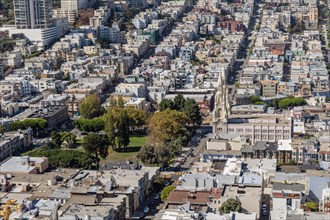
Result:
x=56 y=139
x=38 y=125
x=62 y=158
x=91 y=107
x=69 y=138
x=165 y=104
x=122 y=136
x=96 y=145
x=179 y=102
x=175 y=145
x=89 y=125
x=116 y=123
x=163 y=155
x=166 y=192
x=231 y=205
x=167 y=125
x=147 y=155
x=109 y=127
x=155 y=154
x=136 y=117
x=192 y=111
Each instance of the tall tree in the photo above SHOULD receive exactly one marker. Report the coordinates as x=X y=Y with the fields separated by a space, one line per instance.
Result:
x=117 y=127
x=179 y=101
x=167 y=125
x=147 y=155
x=122 y=137
x=165 y=104
x=91 y=107
x=231 y=205
x=151 y=154
x=136 y=117
x=109 y=127
x=163 y=155
x=69 y=138
x=192 y=110
x=56 y=139
x=97 y=145
x=89 y=125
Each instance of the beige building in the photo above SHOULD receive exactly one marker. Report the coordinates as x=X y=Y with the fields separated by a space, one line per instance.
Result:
x=139 y=103
x=269 y=128
x=69 y=13
x=313 y=13
x=76 y=4
x=24 y=165
x=268 y=88
x=7 y=87
x=90 y=50
x=12 y=141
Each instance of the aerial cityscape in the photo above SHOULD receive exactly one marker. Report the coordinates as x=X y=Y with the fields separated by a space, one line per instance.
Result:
x=164 y=109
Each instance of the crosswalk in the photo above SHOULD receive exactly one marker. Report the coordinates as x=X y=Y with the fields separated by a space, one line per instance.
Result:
x=180 y=173
x=176 y=183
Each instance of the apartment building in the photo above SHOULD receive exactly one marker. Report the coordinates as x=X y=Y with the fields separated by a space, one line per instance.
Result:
x=100 y=17
x=135 y=89
x=12 y=141
x=31 y=14
x=70 y=14
x=325 y=202
x=268 y=88
x=24 y=165
x=10 y=87
x=262 y=128
x=287 y=197
x=76 y=4
x=1 y=69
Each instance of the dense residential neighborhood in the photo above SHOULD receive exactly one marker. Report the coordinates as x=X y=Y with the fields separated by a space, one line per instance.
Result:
x=164 y=109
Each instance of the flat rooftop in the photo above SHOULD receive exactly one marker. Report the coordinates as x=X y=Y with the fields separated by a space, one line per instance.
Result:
x=194 y=197
x=19 y=164
x=94 y=211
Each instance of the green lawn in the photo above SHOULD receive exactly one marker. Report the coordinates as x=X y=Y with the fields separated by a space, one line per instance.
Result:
x=136 y=142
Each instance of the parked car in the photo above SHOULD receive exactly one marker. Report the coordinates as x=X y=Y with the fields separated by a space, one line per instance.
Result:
x=146 y=210
x=264 y=210
x=156 y=197
x=167 y=183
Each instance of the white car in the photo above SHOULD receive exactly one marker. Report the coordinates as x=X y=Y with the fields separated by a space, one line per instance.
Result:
x=146 y=209
x=156 y=197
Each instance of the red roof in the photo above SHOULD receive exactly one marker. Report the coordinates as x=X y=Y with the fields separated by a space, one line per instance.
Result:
x=194 y=197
